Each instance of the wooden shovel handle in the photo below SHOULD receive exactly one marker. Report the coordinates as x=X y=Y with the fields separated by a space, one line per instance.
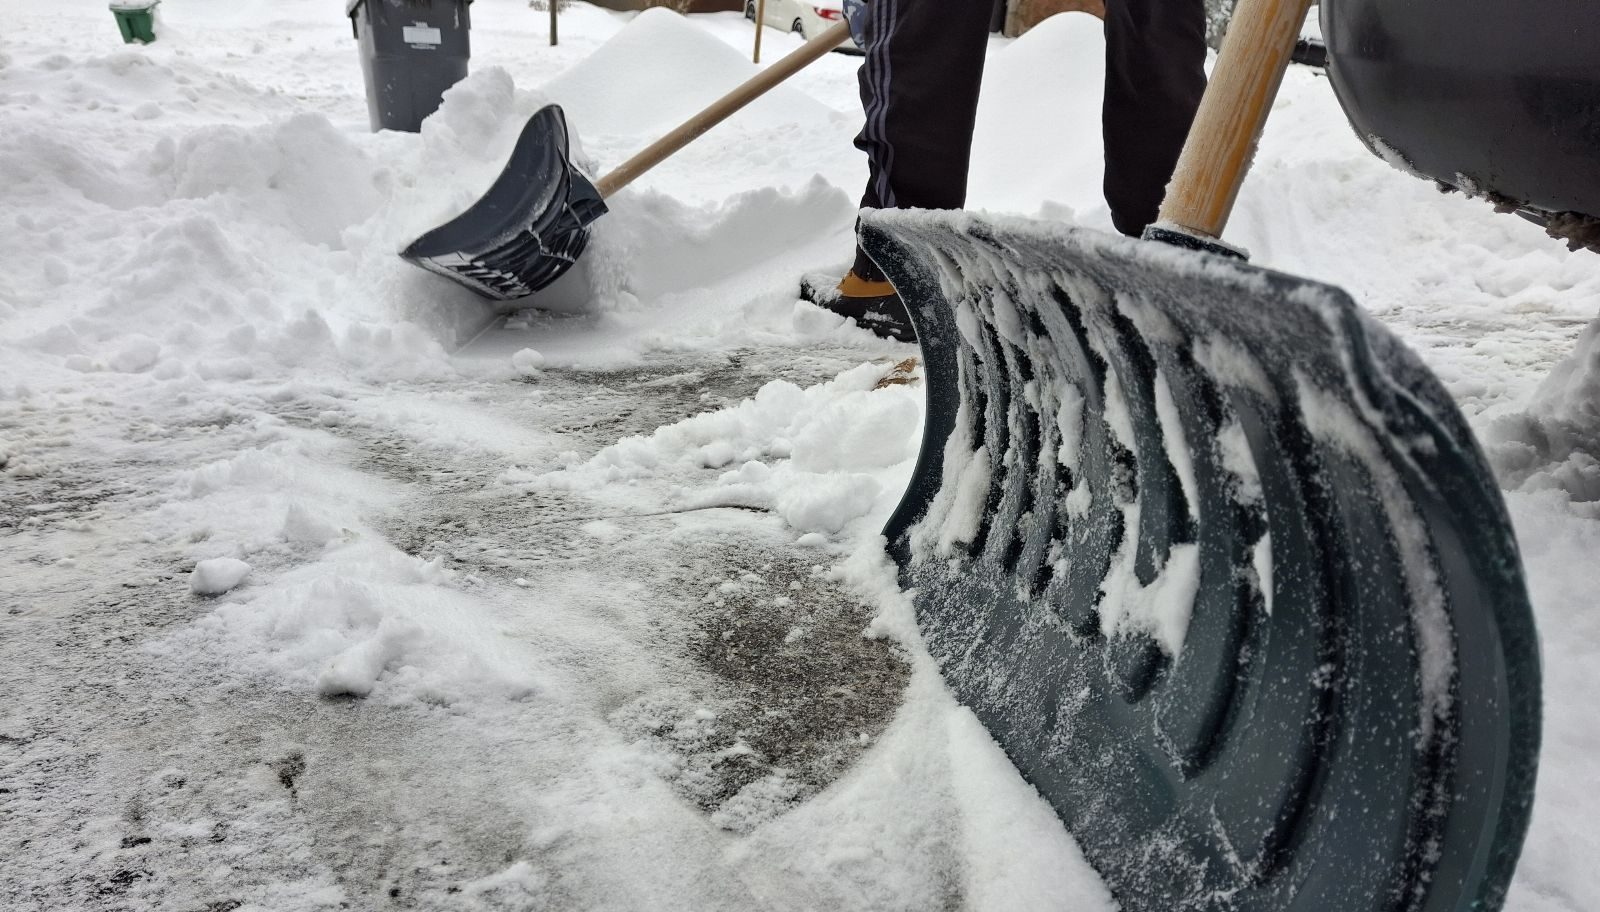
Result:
x=723 y=108
x=1217 y=154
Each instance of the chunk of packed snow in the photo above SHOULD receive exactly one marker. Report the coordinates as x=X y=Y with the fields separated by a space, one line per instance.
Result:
x=527 y=361
x=354 y=672
x=828 y=508
x=217 y=575
x=304 y=527
x=139 y=353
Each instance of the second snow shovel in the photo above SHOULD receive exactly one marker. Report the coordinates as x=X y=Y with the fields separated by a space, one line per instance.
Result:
x=533 y=224
x=1213 y=555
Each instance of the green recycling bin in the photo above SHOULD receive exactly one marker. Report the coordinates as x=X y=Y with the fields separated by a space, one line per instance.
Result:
x=136 y=19
x=411 y=52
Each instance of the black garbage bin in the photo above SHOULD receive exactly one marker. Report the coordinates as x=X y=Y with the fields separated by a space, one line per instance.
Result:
x=411 y=52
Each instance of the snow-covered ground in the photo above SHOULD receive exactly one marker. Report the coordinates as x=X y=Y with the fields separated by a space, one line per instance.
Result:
x=311 y=595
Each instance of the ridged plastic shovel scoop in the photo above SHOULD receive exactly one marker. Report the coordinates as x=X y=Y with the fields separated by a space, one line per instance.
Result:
x=1215 y=558
x=530 y=227
x=533 y=223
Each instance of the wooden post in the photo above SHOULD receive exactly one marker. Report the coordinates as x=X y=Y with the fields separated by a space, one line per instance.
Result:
x=761 y=24
x=554 y=5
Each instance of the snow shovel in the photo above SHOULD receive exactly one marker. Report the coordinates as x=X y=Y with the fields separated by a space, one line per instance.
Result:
x=1213 y=555
x=533 y=224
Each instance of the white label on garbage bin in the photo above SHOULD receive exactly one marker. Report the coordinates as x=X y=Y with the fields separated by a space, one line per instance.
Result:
x=420 y=34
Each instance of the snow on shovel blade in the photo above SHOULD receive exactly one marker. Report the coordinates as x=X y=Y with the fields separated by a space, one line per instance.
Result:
x=1218 y=563
x=528 y=229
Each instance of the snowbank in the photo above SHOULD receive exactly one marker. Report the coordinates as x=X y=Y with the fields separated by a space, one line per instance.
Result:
x=1555 y=443
x=660 y=70
x=219 y=250
x=651 y=245
x=1037 y=145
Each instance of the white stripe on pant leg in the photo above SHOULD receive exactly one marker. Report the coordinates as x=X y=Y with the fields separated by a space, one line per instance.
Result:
x=874 y=71
x=886 y=23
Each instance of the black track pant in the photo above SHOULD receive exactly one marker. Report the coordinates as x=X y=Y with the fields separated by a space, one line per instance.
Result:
x=919 y=89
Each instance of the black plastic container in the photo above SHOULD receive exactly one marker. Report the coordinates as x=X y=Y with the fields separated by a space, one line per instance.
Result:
x=411 y=52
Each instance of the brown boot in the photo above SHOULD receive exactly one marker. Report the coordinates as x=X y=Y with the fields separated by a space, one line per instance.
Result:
x=874 y=305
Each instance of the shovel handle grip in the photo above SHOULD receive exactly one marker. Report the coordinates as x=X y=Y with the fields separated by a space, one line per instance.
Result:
x=722 y=109
x=1222 y=141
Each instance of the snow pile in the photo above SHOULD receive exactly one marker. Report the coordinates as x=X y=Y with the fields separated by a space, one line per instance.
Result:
x=301 y=174
x=660 y=70
x=821 y=458
x=462 y=148
x=374 y=615
x=365 y=621
x=651 y=245
x=1555 y=443
x=216 y=252
x=225 y=251
x=653 y=74
x=135 y=85
x=203 y=226
x=527 y=362
x=338 y=610
x=1037 y=144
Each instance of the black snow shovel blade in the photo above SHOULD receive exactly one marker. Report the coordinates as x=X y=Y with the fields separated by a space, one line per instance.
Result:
x=534 y=222
x=530 y=227
x=1218 y=563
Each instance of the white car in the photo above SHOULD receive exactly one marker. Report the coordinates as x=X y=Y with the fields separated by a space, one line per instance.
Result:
x=806 y=18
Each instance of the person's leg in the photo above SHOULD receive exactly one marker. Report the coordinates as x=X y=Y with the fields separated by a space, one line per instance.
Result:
x=1155 y=57
x=919 y=90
